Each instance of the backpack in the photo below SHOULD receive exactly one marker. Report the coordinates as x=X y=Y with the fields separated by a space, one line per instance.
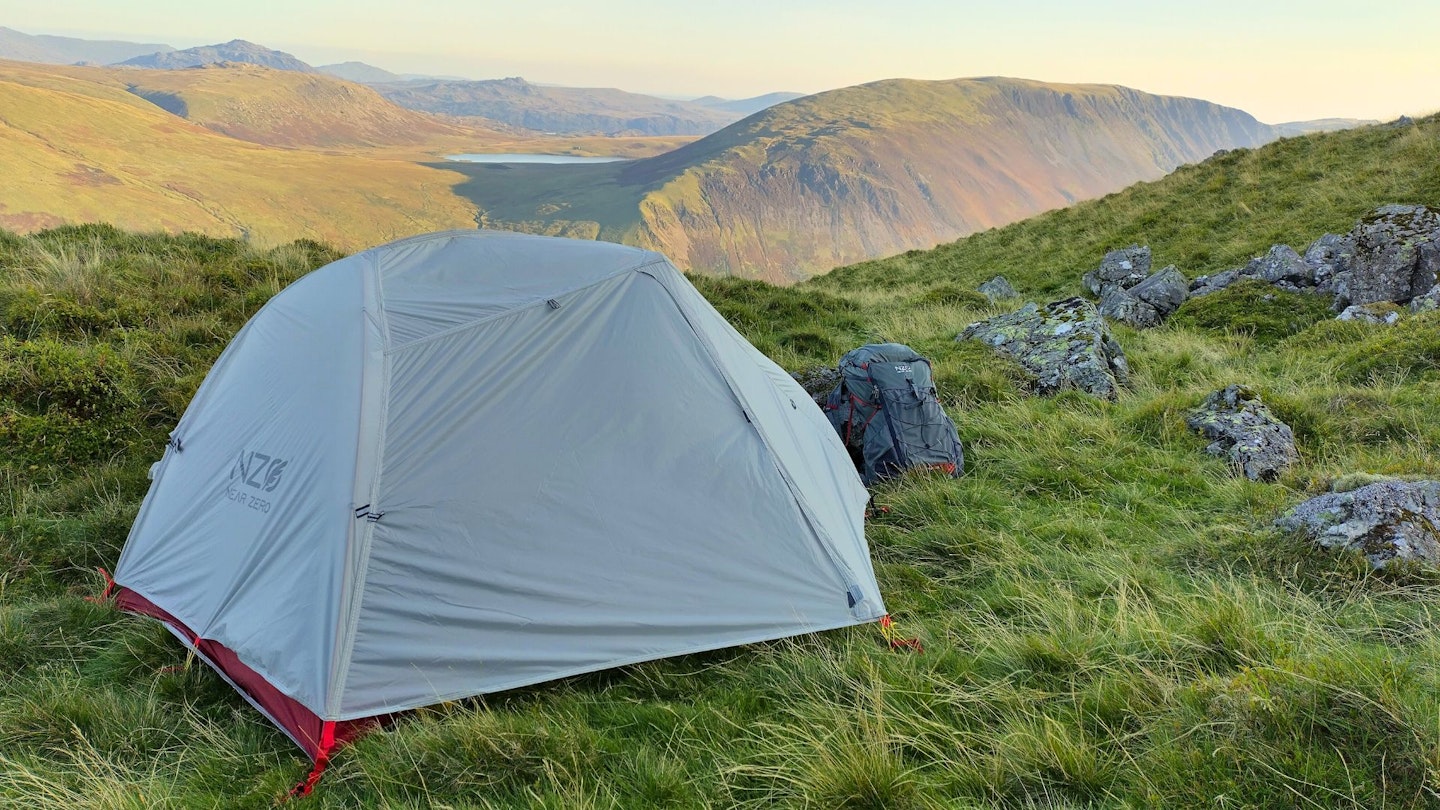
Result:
x=886 y=411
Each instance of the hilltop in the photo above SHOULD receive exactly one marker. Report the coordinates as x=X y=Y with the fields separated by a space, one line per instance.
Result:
x=75 y=150
x=1109 y=618
x=236 y=50
x=868 y=170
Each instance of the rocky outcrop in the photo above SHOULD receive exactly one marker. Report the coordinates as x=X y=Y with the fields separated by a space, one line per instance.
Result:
x=818 y=381
x=1242 y=429
x=1395 y=257
x=997 y=289
x=1385 y=521
x=1281 y=266
x=1429 y=302
x=1122 y=268
x=1391 y=255
x=1386 y=313
x=1065 y=344
x=1148 y=303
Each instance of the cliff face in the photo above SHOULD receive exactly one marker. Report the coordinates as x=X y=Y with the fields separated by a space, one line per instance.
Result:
x=885 y=167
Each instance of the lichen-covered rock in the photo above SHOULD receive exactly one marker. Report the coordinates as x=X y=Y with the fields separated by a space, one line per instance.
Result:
x=1386 y=521
x=1429 y=302
x=1327 y=257
x=1280 y=266
x=1243 y=430
x=1148 y=303
x=1396 y=257
x=818 y=381
x=1165 y=290
x=1385 y=313
x=1065 y=344
x=1122 y=268
x=997 y=289
x=1120 y=305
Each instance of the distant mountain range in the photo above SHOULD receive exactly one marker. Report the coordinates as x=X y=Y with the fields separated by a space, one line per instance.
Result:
x=562 y=110
x=236 y=50
x=48 y=49
x=745 y=106
x=868 y=171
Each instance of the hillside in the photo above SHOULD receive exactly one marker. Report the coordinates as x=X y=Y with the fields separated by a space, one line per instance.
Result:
x=1108 y=617
x=869 y=170
x=359 y=72
x=46 y=48
x=236 y=50
x=74 y=150
x=558 y=110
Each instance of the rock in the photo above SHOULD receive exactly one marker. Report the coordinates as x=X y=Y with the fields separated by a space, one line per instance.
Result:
x=1385 y=521
x=1280 y=266
x=1122 y=268
x=1242 y=429
x=1065 y=344
x=1165 y=290
x=1385 y=313
x=998 y=288
x=1120 y=305
x=1327 y=257
x=818 y=381
x=1396 y=257
x=1429 y=302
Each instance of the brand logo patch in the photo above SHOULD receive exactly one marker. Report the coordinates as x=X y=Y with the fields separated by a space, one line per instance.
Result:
x=258 y=470
x=903 y=368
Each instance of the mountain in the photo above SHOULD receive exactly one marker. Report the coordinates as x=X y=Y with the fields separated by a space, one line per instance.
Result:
x=360 y=72
x=746 y=106
x=236 y=50
x=563 y=110
x=49 y=49
x=1322 y=125
x=869 y=170
x=80 y=150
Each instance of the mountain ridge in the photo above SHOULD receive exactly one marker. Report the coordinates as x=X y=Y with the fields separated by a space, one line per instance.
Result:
x=236 y=50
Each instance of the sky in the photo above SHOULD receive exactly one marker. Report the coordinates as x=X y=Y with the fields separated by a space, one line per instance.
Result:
x=1280 y=60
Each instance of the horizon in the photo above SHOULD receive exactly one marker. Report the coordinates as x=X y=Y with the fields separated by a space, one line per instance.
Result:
x=1332 y=62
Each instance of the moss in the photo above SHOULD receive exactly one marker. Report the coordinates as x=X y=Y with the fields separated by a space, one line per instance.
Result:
x=1253 y=308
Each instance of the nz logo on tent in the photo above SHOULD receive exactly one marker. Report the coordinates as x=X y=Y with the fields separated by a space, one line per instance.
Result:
x=258 y=470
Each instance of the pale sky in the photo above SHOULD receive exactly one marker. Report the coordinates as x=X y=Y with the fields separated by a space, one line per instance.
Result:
x=1280 y=60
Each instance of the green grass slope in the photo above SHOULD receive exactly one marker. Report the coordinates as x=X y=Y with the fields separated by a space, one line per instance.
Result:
x=871 y=170
x=1108 y=619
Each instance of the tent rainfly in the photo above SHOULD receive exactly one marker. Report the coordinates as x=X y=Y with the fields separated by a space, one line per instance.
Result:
x=471 y=461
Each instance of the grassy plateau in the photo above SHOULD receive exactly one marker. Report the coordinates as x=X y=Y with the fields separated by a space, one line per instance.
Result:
x=1108 y=618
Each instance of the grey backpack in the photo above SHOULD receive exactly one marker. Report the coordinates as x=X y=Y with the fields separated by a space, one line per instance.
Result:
x=885 y=409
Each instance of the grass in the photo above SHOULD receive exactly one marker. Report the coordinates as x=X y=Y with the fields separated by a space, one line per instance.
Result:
x=1108 y=619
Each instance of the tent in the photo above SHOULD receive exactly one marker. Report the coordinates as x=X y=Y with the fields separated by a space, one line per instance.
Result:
x=471 y=461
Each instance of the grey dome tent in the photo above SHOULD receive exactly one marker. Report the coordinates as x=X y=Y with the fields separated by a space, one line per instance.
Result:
x=472 y=461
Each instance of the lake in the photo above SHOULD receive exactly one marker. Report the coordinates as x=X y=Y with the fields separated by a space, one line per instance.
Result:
x=523 y=158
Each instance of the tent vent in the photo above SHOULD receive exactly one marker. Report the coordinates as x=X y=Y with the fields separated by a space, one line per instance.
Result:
x=553 y=303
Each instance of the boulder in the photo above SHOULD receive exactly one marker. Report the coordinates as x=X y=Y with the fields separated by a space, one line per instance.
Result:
x=1243 y=430
x=1429 y=302
x=1065 y=344
x=1385 y=313
x=1327 y=257
x=818 y=381
x=1385 y=521
x=1120 y=305
x=1148 y=303
x=1165 y=290
x=1396 y=257
x=997 y=288
x=1122 y=268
